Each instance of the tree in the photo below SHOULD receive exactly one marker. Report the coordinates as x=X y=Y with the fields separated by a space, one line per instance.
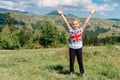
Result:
x=9 y=22
x=8 y=40
x=25 y=37
x=62 y=37
x=48 y=34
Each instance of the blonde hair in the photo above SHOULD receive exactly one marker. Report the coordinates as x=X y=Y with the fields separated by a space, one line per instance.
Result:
x=76 y=20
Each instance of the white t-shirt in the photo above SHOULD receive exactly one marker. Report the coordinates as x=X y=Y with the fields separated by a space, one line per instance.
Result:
x=76 y=38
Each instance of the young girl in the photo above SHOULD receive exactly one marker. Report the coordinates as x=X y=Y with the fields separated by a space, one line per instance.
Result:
x=75 y=45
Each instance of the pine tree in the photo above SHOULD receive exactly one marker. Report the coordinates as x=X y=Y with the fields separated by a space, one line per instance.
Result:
x=9 y=22
x=48 y=34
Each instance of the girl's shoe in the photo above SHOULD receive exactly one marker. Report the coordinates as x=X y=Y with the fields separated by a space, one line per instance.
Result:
x=83 y=75
x=72 y=74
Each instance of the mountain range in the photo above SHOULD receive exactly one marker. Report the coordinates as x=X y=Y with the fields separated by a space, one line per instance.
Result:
x=114 y=19
x=54 y=12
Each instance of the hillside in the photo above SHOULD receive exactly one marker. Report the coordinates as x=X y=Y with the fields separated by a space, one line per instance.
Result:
x=27 y=29
x=94 y=23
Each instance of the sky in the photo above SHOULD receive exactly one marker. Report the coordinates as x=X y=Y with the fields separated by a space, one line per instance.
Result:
x=104 y=8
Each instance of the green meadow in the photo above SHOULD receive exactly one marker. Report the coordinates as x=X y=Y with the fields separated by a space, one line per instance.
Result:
x=100 y=62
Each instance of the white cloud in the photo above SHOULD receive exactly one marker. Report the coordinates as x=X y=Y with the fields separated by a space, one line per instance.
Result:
x=75 y=4
x=84 y=5
x=104 y=7
x=103 y=14
x=111 y=0
x=115 y=5
x=21 y=5
x=56 y=3
x=106 y=0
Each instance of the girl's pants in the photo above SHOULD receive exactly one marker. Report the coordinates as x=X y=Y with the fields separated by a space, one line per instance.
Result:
x=72 y=54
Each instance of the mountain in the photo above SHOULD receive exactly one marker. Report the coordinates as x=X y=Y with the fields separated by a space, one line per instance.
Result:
x=114 y=19
x=8 y=10
x=54 y=12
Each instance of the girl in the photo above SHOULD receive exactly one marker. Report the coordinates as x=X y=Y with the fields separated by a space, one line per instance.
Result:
x=75 y=45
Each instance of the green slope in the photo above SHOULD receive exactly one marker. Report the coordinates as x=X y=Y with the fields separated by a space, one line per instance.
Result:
x=30 y=19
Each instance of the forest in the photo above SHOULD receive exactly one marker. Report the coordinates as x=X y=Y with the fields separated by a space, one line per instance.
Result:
x=24 y=31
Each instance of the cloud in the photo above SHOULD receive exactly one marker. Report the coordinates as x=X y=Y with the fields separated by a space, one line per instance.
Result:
x=111 y=0
x=103 y=14
x=56 y=3
x=106 y=7
x=84 y=5
x=115 y=5
x=14 y=5
x=73 y=4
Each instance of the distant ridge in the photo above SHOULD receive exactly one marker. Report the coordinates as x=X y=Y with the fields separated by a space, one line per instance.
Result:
x=54 y=12
x=8 y=10
x=114 y=19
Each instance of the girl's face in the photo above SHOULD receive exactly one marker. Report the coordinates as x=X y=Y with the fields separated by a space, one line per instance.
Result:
x=75 y=24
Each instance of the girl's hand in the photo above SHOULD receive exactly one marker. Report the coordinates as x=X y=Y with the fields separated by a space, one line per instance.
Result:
x=92 y=11
x=60 y=11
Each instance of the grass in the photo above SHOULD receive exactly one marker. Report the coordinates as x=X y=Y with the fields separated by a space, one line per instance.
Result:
x=100 y=62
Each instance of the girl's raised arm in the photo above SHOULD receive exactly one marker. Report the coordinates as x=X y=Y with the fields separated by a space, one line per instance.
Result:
x=63 y=17
x=88 y=18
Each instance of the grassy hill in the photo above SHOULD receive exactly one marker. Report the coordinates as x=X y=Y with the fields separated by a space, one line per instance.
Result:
x=56 y=19
x=100 y=62
x=29 y=19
